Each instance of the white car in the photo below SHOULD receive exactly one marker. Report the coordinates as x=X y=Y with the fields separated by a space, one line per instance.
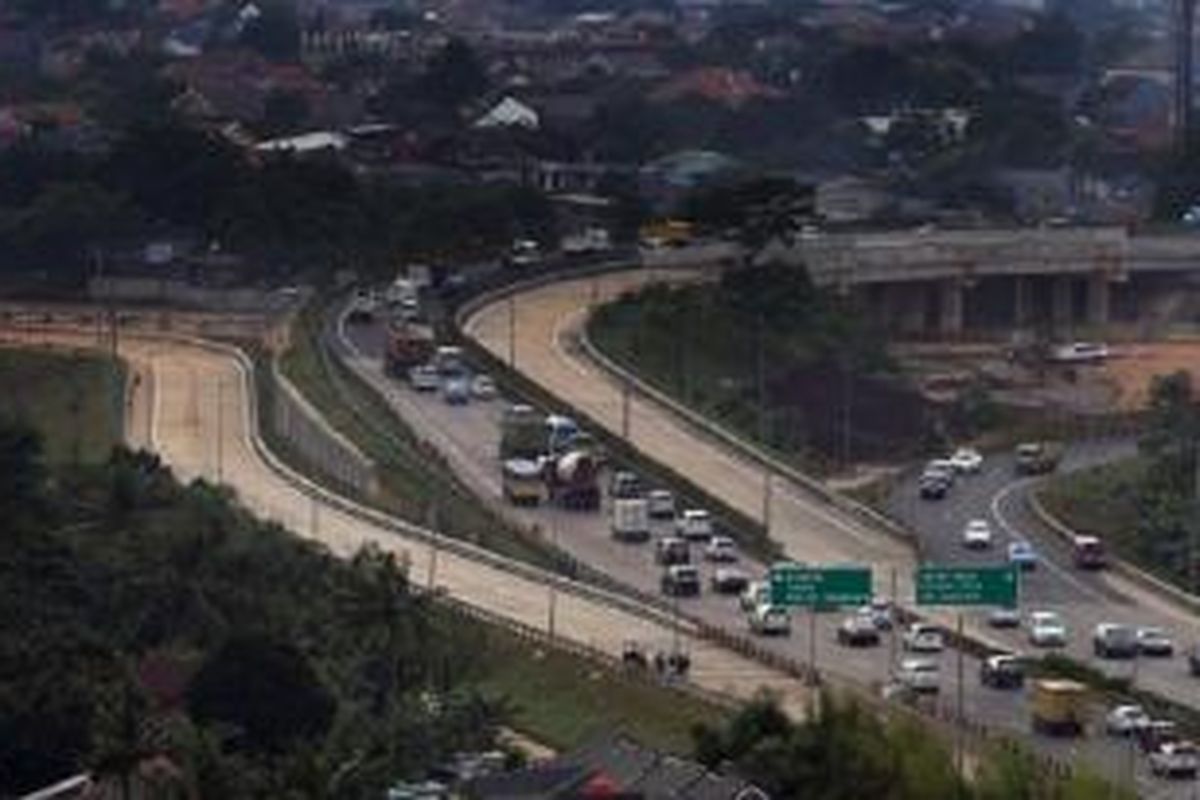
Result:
x=1047 y=629
x=721 y=548
x=1154 y=642
x=755 y=595
x=1022 y=555
x=1175 y=760
x=424 y=378
x=967 y=460
x=918 y=674
x=942 y=468
x=694 y=524
x=661 y=504
x=977 y=535
x=769 y=620
x=1004 y=618
x=921 y=637
x=1126 y=720
x=483 y=387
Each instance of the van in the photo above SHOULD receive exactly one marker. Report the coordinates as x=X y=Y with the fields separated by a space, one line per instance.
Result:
x=694 y=525
x=625 y=484
x=1111 y=640
x=1089 y=552
x=630 y=521
x=662 y=504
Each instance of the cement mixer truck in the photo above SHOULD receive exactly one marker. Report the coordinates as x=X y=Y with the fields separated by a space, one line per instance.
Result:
x=573 y=480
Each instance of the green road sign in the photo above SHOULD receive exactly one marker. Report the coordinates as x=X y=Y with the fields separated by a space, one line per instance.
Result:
x=967 y=586
x=819 y=587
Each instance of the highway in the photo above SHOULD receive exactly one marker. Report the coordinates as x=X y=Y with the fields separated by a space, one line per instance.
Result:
x=1085 y=599
x=545 y=323
x=190 y=405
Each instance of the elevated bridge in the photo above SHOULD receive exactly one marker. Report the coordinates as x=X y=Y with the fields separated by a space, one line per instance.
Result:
x=951 y=281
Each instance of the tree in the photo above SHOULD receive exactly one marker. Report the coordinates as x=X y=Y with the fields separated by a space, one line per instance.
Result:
x=1172 y=428
x=275 y=33
x=453 y=76
x=23 y=470
x=266 y=689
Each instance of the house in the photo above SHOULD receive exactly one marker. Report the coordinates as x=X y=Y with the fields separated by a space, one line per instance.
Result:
x=509 y=113
x=613 y=768
x=729 y=87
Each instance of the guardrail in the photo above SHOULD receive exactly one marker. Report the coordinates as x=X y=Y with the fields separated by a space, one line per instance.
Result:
x=1118 y=565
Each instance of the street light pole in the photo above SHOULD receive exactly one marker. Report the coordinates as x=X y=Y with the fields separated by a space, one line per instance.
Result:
x=512 y=331
x=220 y=432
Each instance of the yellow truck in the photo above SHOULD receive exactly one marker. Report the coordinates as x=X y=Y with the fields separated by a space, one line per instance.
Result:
x=1059 y=707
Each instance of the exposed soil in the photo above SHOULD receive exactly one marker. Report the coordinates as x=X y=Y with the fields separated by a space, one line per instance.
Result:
x=1133 y=367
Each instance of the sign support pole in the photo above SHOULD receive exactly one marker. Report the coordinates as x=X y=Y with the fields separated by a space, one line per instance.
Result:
x=812 y=646
x=958 y=717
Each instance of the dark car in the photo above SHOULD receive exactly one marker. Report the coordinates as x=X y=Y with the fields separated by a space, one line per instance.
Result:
x=858 y=631
x=671 y=551
x=681 y=581
x=1002 y=671
x=729 y=580
x=933 y=487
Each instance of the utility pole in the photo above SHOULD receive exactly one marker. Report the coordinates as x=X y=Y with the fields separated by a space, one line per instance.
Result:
x=760 y=380
x=812 y=646
x=431 y=522
x=512 y=331
x=959 y=719
x=768 y=481
x=625 y=402
x=314 y=519
x=552 y=600
x=220 y=432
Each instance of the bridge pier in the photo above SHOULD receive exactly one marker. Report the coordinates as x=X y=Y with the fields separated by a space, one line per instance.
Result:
x=1099 y=298
x=950 y=316
x=1061 y=303
x=1022 y=301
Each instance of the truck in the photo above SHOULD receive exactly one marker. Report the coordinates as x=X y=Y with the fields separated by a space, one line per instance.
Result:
x=522 y=482
x=561 y=433
x=630 y=519
x=522 y=432
x=409 y=345
x=1037 y=458
x=1059 y=707
x=589 y=240
x=573 y=480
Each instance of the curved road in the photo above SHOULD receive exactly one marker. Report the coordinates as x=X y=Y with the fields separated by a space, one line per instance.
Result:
x=189 y=404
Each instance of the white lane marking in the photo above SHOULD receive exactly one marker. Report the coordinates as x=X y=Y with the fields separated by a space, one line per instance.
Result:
x=1043 y=557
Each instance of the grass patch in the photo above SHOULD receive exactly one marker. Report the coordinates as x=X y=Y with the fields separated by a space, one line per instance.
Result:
x=75 y=400
x=563 y=699
x=414 y=481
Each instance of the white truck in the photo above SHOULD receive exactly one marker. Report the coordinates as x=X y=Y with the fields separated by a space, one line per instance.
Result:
x=589 y=240
x=630 y=520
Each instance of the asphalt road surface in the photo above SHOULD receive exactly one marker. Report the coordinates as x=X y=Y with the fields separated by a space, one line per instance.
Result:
x=469 y=436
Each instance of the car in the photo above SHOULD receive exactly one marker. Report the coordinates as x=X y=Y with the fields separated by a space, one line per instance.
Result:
x=858 y=631
x=1113 y=640
x=1155 y=642
x=1175 y=760
x=681 y=580
x=1193 y=660
x=483 y=387
x=720 y=548
x=922 y=637
x=918 y=674
x=662 y=504
x=672 y=550
x=933 y=487
x=941 y=468
x=1004 y=618
x=695 y=525
x=977 y=535
x=1047 y=629
x=754 y=595
x=770 y=620
x=625 y=485
x=1022 y=555
x=729 y=580
x=456 y=390
x=1126 y=720
x=1002 y=671
x=966 y=460
x=424 y=378
x=879 y=611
